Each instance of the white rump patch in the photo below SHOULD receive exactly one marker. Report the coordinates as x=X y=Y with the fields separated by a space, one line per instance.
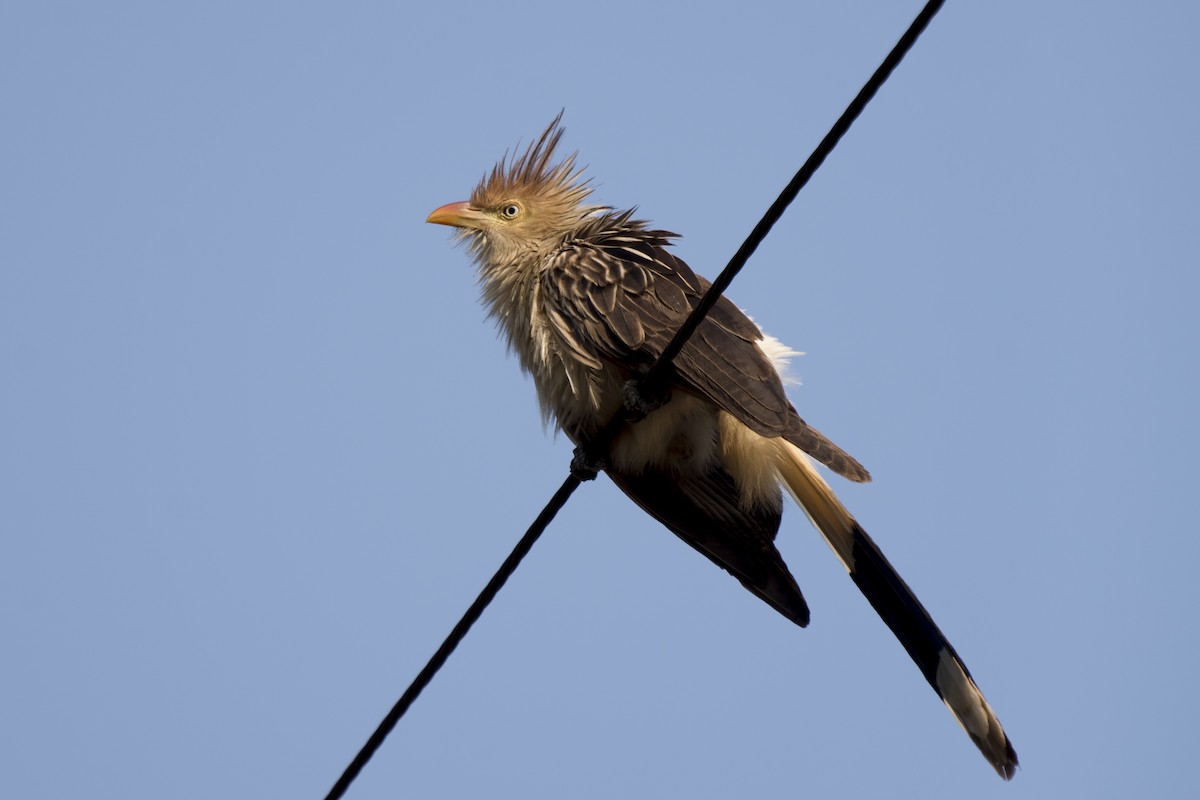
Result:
x=780 y=356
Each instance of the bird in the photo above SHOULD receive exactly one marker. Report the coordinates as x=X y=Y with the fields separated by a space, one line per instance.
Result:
x=587 y=296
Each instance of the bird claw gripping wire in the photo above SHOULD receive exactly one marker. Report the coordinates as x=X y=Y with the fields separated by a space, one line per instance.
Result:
x=586 y=462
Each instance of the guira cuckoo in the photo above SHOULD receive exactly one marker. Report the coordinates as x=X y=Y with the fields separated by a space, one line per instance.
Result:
x=588 y=296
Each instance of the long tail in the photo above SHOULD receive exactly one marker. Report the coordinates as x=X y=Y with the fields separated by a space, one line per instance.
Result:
x=899 y=608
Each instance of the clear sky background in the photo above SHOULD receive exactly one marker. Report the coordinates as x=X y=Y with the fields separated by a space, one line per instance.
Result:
x=259 y=448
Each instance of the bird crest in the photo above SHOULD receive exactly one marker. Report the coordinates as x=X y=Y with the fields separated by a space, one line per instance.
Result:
x=556 y=189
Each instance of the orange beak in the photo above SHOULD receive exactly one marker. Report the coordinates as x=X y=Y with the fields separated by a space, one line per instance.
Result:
x=459 y=215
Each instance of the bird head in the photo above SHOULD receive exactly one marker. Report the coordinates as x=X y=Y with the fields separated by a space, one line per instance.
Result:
x=524 y=206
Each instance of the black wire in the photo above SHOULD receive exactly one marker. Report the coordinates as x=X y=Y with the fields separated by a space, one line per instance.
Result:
x=655 y=373
x=775 y=212
x=456 y=635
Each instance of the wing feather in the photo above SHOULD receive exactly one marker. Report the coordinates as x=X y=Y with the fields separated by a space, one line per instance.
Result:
x=614 y=292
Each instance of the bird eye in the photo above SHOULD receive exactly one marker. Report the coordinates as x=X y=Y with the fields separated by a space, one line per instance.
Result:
x=510 y=210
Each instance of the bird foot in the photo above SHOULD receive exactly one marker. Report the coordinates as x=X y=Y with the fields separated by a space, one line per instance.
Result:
x=641 y=398
x=586 y=464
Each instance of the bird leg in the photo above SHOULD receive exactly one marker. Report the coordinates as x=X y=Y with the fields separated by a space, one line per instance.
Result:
x=640 y=397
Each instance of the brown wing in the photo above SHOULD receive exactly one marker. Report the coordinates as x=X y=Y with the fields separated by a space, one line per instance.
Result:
x=622 y=295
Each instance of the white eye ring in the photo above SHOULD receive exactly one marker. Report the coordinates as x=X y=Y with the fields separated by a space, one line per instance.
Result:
x=510 y=211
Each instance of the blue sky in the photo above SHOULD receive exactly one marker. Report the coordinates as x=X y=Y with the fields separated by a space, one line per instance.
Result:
x=259 y=447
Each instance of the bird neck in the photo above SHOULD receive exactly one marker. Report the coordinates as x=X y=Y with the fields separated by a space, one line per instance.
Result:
x=510 y=292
